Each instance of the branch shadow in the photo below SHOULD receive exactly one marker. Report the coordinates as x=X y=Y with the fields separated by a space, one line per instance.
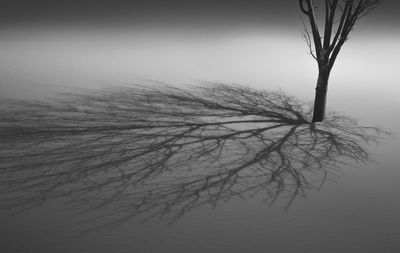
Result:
x=161 y=151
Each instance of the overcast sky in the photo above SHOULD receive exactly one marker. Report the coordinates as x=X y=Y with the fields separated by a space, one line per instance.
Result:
x=205 y=13
x=257 y=43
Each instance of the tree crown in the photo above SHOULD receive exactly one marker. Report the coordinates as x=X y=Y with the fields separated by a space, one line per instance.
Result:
x=340 y=18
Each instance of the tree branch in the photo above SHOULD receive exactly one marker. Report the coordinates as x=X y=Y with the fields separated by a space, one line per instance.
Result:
x=302 y=8
x=329 y=20
x=307 y=38
x=314 y=29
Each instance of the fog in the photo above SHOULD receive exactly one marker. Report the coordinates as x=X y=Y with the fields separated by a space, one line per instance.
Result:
x=355 y=212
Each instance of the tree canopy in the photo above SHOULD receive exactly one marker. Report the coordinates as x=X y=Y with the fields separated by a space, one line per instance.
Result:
x=340 y=19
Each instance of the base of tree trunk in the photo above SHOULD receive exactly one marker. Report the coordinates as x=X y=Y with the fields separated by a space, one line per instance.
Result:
x=319 y=104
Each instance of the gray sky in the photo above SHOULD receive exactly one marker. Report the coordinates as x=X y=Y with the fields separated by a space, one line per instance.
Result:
x=207 y=13
x=80 y=43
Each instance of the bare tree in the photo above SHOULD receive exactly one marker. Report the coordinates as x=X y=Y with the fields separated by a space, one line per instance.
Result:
x=340 y=18
x=164 y=151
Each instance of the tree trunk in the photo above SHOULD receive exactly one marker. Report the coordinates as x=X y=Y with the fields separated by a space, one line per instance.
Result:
x=320 y=96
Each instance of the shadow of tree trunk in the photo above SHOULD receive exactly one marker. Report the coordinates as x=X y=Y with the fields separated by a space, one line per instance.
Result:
x=162 y=151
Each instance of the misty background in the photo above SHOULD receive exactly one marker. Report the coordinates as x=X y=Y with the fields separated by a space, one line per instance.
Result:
x=86 y=44
x=52 y=46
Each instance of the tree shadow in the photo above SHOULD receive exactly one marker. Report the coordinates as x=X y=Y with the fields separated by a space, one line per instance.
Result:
x=162 y=151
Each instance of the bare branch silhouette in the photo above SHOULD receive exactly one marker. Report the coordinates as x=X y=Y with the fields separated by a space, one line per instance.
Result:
x=340 y=17
x=162 y=151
